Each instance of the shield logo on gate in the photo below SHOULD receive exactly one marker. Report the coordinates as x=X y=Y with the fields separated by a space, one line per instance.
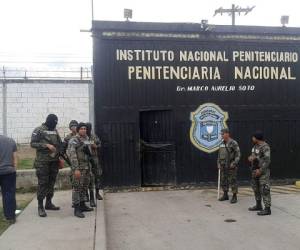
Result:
x=207 y=122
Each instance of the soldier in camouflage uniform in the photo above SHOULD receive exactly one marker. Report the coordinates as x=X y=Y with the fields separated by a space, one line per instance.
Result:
x=96 y=170
x=78 y=151
x=73 y=128
x=228 y=159
x=73 y=132
x=260 y=160
x=46 y=140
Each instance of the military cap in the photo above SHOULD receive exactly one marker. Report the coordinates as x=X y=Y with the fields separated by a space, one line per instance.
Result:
x=73 y=123
x=80 y=125
x=259 y=135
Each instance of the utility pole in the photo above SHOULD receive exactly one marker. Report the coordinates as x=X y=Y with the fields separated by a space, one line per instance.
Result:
x=233 y=11
x=92 y=9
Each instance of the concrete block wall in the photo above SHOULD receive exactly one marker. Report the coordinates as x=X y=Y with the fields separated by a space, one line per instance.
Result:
x=29 y=103
x=27 y=180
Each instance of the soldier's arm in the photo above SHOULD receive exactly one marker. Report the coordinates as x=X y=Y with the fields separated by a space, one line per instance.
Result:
x=71 y=153
x=97 y=141
x=58 y=138
x=62 y=146
x=65 y=143
x=237 y=153
x=35 y=141
x=265 y=160
x=252 y=156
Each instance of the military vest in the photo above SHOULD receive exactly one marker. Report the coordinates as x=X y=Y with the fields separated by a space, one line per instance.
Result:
x=47 y=137
x=82 y=157
x=223 y=154
x=226 y=152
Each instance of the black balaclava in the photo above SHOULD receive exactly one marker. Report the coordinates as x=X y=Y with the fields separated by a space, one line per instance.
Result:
x=88 y=128
x=51 y=121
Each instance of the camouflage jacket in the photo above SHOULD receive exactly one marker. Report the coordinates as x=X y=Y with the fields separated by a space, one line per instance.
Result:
x=94 y=139
x=67 y=139
x=42 y=136
x=76 y=152
x=229 y=153
x=262 y=153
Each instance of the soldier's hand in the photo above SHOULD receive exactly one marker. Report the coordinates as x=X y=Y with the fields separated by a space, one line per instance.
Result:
x=61 y=164
x=232 y=166
x=250 y=158
x=77 y=174
x=94 y=146
x=257 y=172
x=51 y=147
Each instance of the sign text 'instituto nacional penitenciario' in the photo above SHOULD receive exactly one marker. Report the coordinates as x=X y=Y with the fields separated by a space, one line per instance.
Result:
x=247 y=65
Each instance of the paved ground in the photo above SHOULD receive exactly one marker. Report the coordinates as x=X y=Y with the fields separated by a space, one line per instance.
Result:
x=60 y=230
x=194 y=219
x=190 y=219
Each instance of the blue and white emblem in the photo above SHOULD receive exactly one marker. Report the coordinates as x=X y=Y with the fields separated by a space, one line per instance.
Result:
x=207 y=122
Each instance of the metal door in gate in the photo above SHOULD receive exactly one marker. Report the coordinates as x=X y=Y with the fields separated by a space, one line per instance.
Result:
x=157 y=147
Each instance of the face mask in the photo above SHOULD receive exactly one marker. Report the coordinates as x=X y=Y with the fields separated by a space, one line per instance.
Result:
x=51 y=121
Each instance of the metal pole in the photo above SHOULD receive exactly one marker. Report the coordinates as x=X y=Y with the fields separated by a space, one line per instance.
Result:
x=91 y=100
x=4 y=104
x=219 y=181
x=233 y=14
x=92 y=5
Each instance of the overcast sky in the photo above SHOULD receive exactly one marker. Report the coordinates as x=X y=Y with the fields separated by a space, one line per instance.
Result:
x=49 y=30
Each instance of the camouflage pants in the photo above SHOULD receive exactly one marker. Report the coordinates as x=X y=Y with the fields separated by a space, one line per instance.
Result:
x=96 y=172
x=80 y=186
x=261 y=188
x=46 y=173
x=229 y=179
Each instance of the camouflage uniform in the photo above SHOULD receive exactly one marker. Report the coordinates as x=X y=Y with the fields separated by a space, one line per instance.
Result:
x=67 y=139
x=46 y=162
x=80 y=161
x=228 y=159
x=96 y=168
x=261 y=184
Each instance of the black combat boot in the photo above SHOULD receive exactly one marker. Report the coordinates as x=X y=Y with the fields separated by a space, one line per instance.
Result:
x=98 y=195
x=41 y=210
x=50 y=206
x=233 y=199
x=92 y=199
x=257 y=207
x=85 y=208
x=266 y=211
x=224 y=197
x=77 y=211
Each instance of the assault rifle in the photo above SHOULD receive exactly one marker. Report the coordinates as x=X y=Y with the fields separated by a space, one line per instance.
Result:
x=60 y=151
x=88 y=152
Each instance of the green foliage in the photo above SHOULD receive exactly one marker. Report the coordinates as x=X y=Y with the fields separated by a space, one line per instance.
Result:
x=26 y=163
